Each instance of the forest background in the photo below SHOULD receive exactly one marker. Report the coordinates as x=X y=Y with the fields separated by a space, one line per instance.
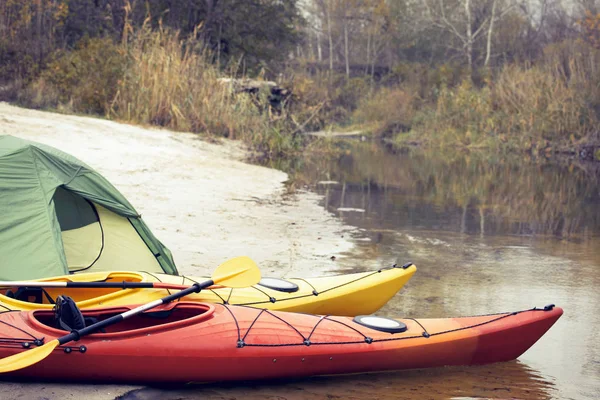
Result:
x=509 y=75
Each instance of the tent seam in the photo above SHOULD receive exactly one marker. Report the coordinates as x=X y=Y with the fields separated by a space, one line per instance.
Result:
x=73 y=177
x=17 y=151
x=37 y=173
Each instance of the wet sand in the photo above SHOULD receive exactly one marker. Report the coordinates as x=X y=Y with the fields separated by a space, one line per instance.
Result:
x=501 y=381
x=510 y=380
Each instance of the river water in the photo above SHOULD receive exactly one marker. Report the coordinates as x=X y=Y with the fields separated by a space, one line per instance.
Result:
x=488 y=234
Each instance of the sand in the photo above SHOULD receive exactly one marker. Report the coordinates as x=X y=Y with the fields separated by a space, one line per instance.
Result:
x=199 y=198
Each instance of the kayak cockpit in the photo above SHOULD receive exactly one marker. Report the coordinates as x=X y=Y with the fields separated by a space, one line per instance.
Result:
x=167 y=317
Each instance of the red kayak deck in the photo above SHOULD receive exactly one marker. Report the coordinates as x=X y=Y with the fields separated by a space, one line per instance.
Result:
x=185 y=342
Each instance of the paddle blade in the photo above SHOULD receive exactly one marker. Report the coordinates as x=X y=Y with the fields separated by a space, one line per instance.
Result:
x=27 y=358
x=236 y=273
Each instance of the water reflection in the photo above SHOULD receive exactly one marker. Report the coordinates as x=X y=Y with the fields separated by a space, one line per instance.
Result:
x=513 y=380
x=468 y=193
x=488 y=233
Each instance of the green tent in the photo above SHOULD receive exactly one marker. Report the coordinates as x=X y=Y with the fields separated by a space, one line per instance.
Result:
x=59 y=216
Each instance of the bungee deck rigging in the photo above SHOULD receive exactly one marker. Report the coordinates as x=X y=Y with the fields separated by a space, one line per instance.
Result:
x=349 y=295
x=305 y=340
x=270 y=298
x=183 y=342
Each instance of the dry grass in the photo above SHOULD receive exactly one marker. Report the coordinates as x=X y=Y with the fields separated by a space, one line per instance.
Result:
x=386 y=111
x=534 y=102
x=551 y=106
x=156 y=78
x=169 y=83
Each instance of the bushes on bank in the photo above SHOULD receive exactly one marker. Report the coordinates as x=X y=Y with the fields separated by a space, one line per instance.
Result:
x=156 y=78
x=83 y=80
x=385 y=111
x=550 y=106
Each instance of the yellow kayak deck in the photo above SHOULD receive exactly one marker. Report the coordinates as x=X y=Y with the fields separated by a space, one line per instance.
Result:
x=347 y=295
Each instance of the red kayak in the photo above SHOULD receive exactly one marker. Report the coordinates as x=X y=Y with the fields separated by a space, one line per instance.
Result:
x=196 y=342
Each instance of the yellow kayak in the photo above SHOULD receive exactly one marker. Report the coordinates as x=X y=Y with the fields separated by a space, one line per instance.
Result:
x=345 y=295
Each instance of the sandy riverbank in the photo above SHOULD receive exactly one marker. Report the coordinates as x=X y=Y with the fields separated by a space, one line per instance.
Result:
x=199 y=198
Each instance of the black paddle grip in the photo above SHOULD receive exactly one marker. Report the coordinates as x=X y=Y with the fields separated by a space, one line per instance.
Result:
x=195 y=288
x=77 y=334
x=118 y=285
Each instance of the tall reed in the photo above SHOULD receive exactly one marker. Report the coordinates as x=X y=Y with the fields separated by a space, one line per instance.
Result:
x=171 y=83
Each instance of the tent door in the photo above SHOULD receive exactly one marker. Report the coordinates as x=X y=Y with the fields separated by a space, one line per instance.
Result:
x=82 y=233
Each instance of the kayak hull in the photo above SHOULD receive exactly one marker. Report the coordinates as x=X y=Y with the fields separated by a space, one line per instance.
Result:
x=241 y=343
x=346 y=295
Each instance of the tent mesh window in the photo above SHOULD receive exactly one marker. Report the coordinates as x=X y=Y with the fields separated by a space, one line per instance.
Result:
x=82 y=233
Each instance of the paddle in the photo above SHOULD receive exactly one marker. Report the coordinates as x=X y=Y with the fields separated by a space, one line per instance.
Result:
x=96 y=285
x=237 y=272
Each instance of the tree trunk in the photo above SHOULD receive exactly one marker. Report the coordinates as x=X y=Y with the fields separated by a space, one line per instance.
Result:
x=482 y=219
x=469 y=44
x=319 y=49
x=219 y=46
x=210 y=6
x=368 y=52
x=373 y=62
x=38 y=28
x=346 y=55
x=311 y=49
x=489 y=36
x=330 y=38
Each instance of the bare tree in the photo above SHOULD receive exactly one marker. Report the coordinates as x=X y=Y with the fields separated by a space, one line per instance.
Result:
x=490 y=33
x=346 y=51
x=330 y=37
x=466 y=21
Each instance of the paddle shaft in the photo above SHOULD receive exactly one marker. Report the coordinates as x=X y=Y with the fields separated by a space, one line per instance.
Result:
x=123 y=284
x=76 y=334
x=97 y=285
